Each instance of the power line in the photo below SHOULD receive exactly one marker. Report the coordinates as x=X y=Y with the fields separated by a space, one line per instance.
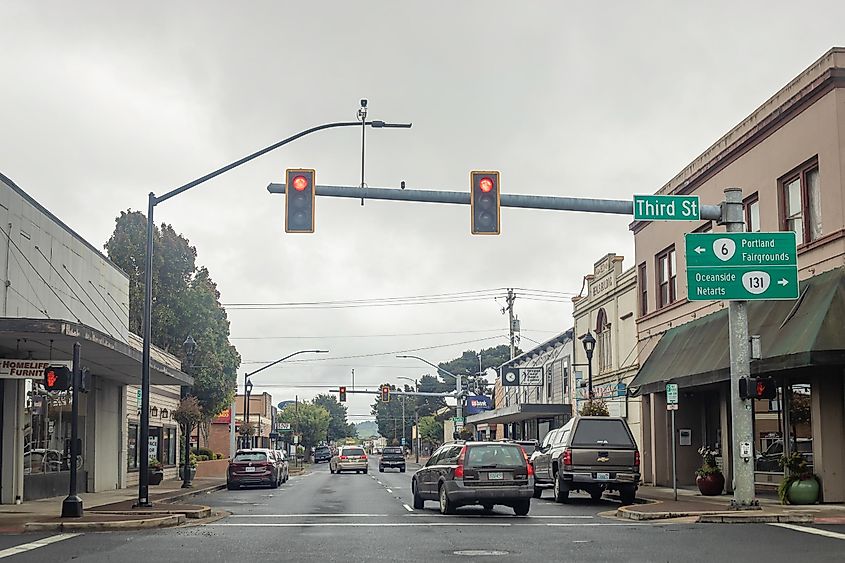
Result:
x=389 y=335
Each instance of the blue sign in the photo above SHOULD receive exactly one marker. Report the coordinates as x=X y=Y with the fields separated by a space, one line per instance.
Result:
x=283 y=404
x=478 y=403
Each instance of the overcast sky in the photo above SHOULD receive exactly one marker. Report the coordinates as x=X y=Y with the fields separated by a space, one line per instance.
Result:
x=103 y=102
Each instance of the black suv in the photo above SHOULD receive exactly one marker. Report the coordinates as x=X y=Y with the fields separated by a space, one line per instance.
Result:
x=589 y=453
x=392 y=457
x=322 y=453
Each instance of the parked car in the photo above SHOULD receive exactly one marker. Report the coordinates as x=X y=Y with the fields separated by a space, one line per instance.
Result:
x=254 y=466
x=392 y=457
x=593 y=454
x=349 y=458
x=770 y=459
x=282 y=461
x=322 y=453
x=475 y=473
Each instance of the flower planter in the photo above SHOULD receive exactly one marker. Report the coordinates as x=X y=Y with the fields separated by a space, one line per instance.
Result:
x=192 y=472
x=803 y=491
x=155 y=477
x=711 y=485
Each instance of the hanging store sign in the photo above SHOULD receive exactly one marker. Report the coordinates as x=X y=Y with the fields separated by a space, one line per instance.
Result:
x=27 y=369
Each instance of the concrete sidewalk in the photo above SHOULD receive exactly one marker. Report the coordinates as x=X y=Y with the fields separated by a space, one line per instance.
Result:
x=112 y=510
x=660 y=504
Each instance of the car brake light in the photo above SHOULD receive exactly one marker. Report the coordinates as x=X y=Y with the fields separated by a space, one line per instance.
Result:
x=459 y=470
x=530 y=470
x=363 y=458
x=637 y=458
x=527 y=462
x=343 y=457
x=567 y=456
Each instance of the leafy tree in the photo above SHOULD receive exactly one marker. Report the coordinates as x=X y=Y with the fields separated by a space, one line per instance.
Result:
x=185 y=302
x=339 y=428
x=389 y=416
x=309 y=420
x=431 y=430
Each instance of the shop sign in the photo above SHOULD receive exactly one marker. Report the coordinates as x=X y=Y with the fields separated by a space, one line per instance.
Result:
x=224 y=417
x=27 y=369
x=478 y=403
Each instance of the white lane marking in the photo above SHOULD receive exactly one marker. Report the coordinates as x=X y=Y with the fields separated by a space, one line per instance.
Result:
x=408 y=508
x=420 y=525
x=806 y=530
x=309 y=515
x=35 y=544
x=379 y=482
x=389 y=490
x=531 y=516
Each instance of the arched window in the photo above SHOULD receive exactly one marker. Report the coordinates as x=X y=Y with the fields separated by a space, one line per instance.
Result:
x=603 y=347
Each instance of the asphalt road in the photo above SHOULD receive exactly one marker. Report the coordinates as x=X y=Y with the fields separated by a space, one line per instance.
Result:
x=357 y=517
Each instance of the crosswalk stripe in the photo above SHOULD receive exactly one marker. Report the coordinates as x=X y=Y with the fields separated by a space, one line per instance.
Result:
x=807 y=530
x=23 y=548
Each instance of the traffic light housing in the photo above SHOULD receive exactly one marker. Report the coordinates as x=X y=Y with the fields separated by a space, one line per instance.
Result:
x=757 y=388
x=485 y=202
x=342 y=393
x=299 y=200
x=57 y=378
x=385 y=393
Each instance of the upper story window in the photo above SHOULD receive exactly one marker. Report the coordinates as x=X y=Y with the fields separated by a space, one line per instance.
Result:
x=666 y=277
x=752 y=214
x=704 y=227
x=800 y=199
x=603 y=349
x=642 y=281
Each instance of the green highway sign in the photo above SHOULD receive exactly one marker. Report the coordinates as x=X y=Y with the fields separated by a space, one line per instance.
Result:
x=741 y=266
x=666 y=208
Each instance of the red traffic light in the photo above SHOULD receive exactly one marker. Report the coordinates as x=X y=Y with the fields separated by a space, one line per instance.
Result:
x=300 y=183
x=385 y=393
x=342 y=393
x=485 y=185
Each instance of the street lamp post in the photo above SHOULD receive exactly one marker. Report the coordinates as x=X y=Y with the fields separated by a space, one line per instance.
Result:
x=190 y=347
x=248 y=383
x=143 y=475
x=247 y=439
x=589 y=343
x=459 y=411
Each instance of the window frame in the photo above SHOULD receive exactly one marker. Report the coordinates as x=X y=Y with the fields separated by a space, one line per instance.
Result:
x=642 y=281
x=800 y=173
x=672 y=281
x=746 y=211
x=603 y=343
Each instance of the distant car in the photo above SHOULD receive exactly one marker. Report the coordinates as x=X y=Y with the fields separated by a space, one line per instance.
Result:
x=349 y=458
x=255 y=466
x=467 y=473
x=282 y=461
x=322 y=453
x=770 y=459
x=589 y=453
x=392 y=457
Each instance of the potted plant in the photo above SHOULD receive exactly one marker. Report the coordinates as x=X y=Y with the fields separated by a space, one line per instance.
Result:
x=799 y=485
x=193 y=465
x=155 y=470
x=709 y=477
x=595 y=407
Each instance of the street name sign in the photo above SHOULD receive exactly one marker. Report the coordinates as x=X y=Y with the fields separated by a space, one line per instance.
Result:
x=741 y=266
x=666 y=208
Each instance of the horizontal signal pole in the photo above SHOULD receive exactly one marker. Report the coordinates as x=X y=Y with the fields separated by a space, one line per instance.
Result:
x=555 y=203
x=395 y=392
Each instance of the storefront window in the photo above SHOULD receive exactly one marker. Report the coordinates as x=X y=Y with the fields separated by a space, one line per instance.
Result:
x=132 y=454
x=772 y=422
x=47 y=429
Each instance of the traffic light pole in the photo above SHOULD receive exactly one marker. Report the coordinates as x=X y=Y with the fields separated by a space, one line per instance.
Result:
x=143 y=474
x=72 y=505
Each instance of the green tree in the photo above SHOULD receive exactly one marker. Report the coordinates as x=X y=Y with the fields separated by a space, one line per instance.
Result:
x=339 y=428
x=431 y=430
x=309 y=420
x=389 y=416
x=185 y=302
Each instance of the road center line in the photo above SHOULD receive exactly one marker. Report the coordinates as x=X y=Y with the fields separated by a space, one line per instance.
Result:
x=806 y=530
x=23 y=548
x=389 y=490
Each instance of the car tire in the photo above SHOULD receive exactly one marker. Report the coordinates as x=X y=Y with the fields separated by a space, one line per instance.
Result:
x=419 y=502
x=561 y=490
x=231 y=487
x=367 y=470
x=538 y=492
x=628 y=495
x=401 y=470
x=596 y=493
x=446 y=507
x=522 y=507
x=380 y=469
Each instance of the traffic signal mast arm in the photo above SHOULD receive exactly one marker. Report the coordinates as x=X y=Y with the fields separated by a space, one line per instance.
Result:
x=395 y=392
x=557 y=203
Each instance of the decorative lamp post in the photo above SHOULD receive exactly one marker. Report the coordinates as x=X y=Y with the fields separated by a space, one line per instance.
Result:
x=190 y=348
x=589 y=343
x=247 y=437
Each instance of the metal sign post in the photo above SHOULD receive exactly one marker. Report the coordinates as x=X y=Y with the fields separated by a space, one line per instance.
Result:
x=672 y=405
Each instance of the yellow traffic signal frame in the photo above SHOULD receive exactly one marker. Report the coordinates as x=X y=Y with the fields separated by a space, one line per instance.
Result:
x=289 y=174
x=472 y=175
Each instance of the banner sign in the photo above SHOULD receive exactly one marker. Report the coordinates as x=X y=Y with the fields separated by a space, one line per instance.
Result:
x=478 y=403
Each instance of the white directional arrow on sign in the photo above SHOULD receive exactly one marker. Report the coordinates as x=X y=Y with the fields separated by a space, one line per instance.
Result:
x=699 y=250
x=783 y=282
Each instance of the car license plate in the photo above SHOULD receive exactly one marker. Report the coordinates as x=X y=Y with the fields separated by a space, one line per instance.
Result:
x=250 y=470
x=602 y=476
x=495 y=475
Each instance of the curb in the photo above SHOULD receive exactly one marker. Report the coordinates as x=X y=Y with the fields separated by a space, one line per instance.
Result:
x=754 y=519
x=203 y=512
x=145 y=523
x=194 y=492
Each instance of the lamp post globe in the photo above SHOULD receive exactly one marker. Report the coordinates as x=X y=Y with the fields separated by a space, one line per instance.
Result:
x=589 y=342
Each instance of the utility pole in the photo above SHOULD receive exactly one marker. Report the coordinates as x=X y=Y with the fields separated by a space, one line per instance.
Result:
x=509 y=308
x=741 y=410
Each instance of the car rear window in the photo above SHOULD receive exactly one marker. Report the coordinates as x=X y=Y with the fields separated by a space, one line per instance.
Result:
x=251 y=456
x=393 y=450
x=353 y=451
x=602 y=433
x=322 y=448
x=495 y=454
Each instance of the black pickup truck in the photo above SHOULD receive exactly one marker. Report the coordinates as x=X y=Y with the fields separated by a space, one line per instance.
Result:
x=392 y=457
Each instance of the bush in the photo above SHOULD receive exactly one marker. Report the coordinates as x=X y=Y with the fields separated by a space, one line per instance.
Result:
x=204 y=452
x=595 y=407
x=202 y=458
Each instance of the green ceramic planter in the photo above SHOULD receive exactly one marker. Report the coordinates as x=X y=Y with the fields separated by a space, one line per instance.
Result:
x=804 y=491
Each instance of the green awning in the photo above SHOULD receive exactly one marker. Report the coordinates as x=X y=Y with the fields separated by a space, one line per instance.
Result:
x=796 y=334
